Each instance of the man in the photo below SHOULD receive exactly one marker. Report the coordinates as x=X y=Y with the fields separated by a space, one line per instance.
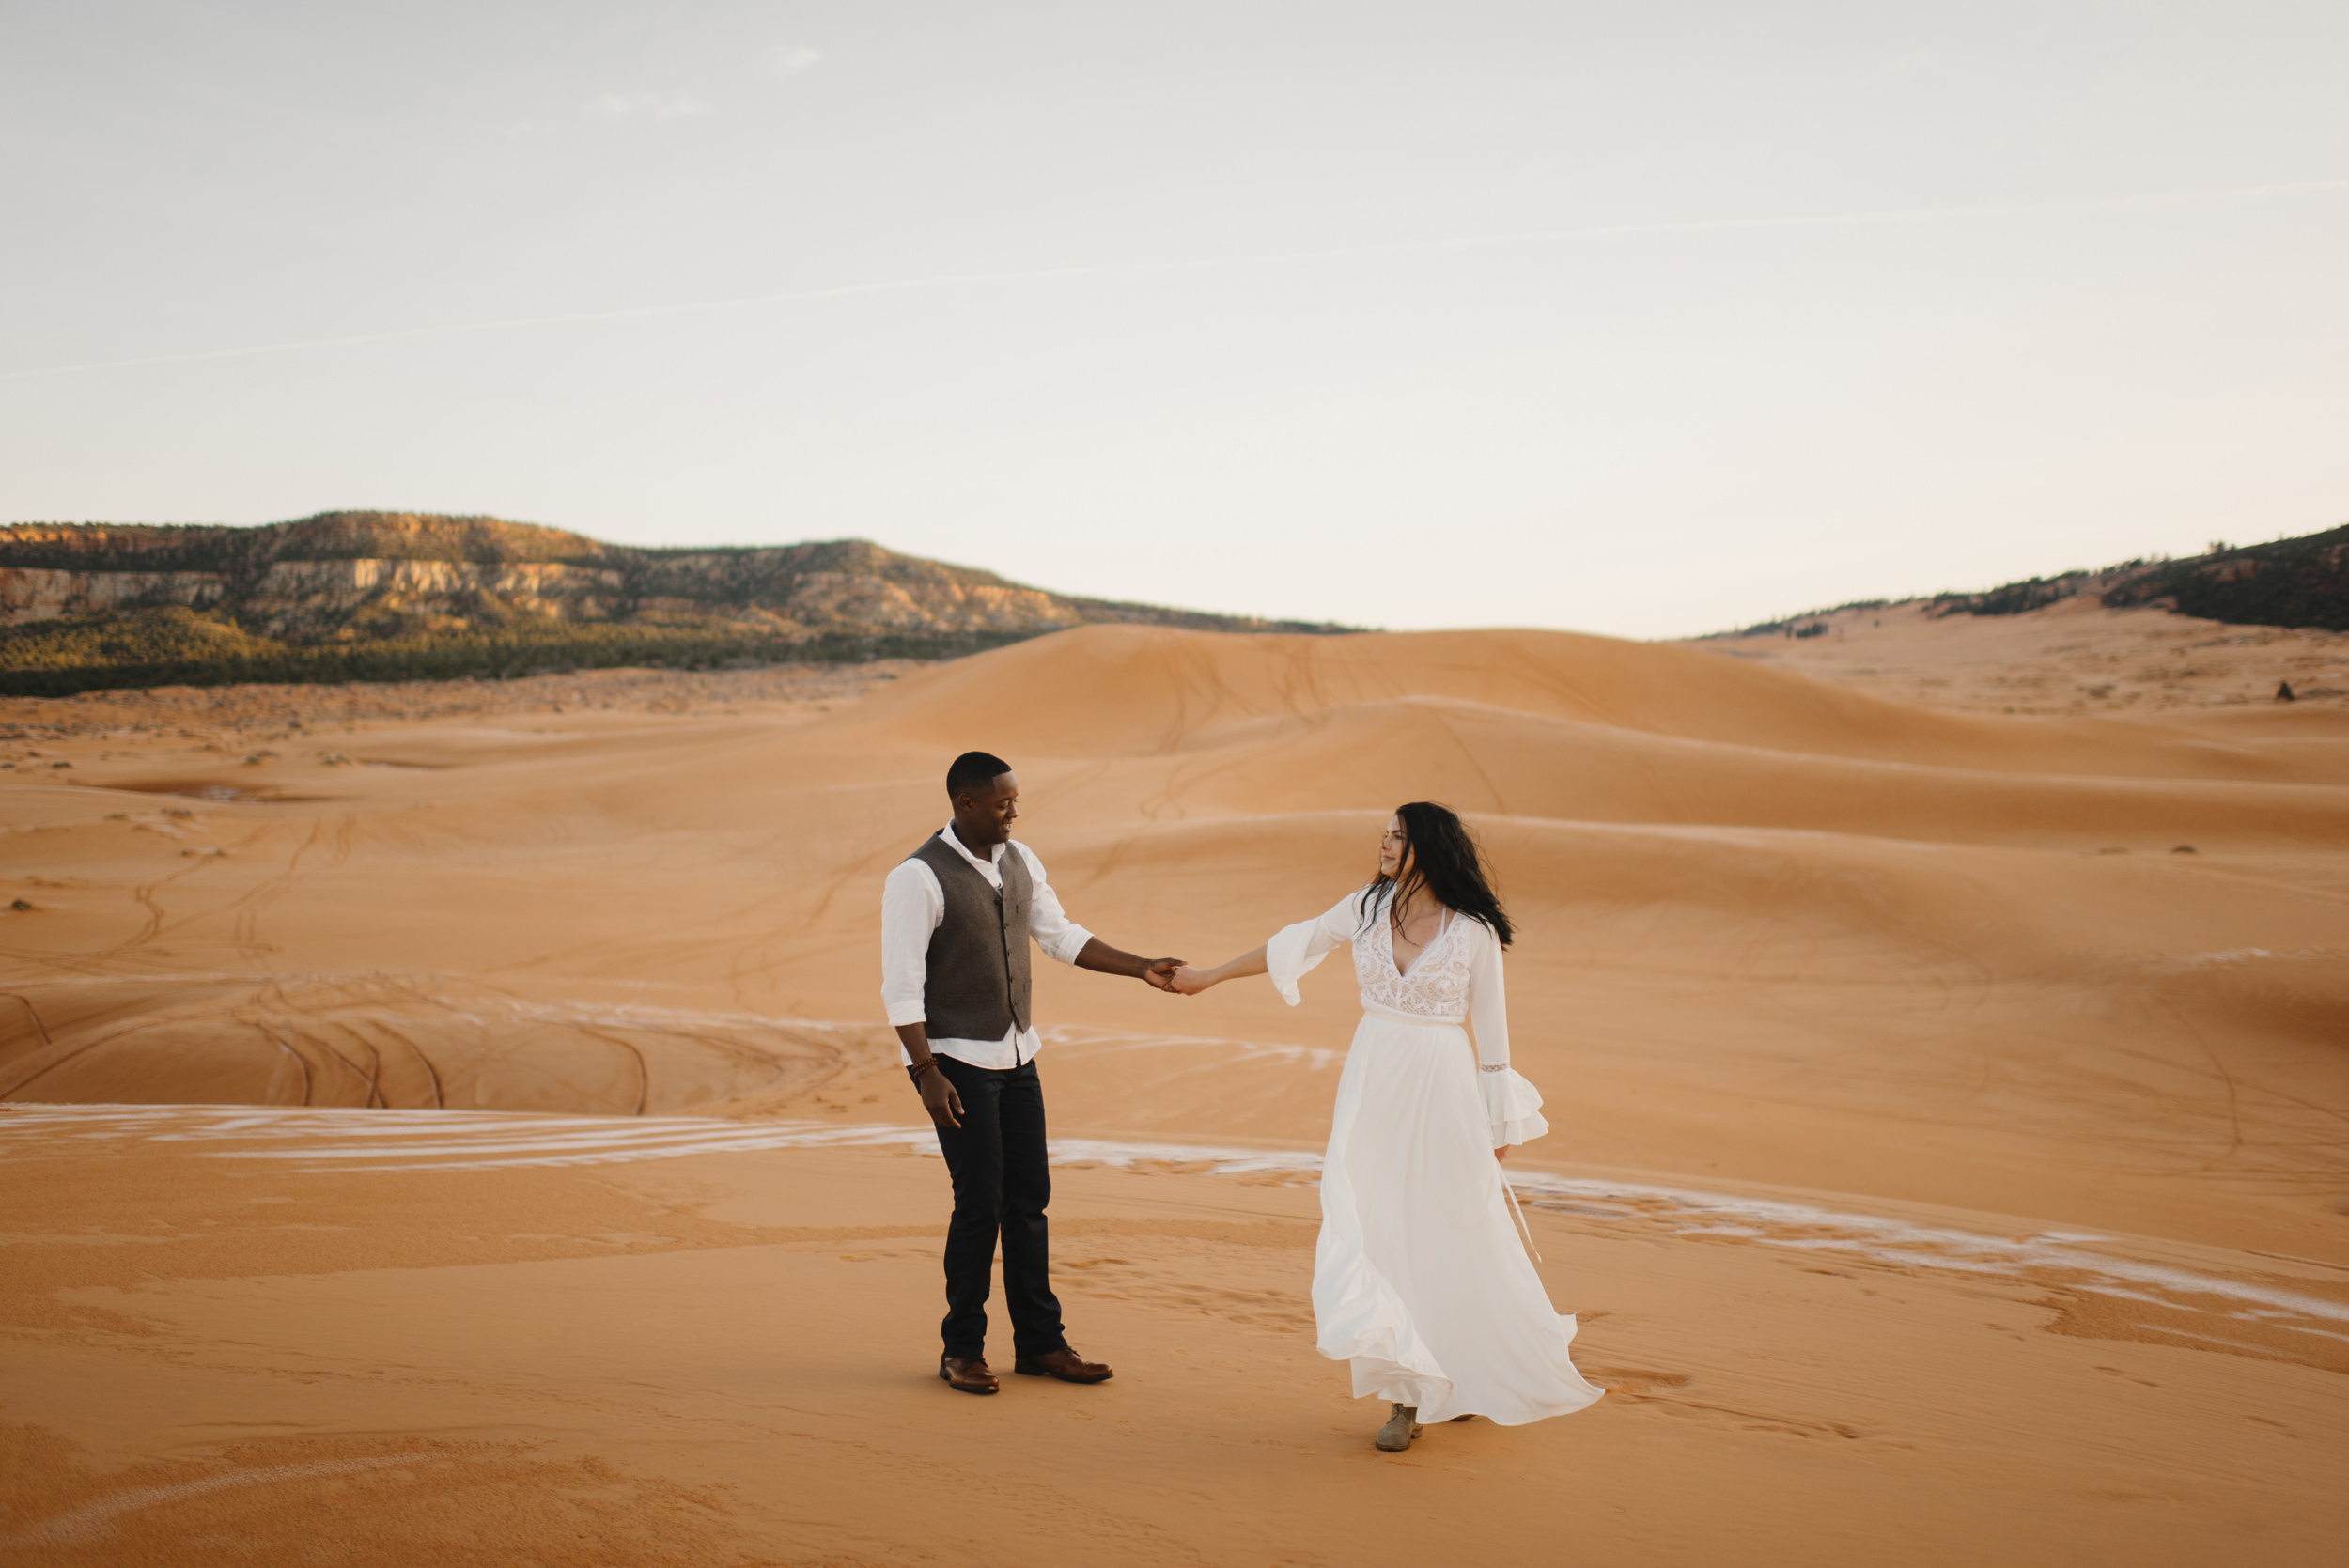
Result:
x=956 y=917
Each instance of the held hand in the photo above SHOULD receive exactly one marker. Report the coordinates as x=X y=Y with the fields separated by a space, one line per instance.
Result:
x=1501 y=1152
x=1191 y=981
x=939 y=1099
x=1162 y=972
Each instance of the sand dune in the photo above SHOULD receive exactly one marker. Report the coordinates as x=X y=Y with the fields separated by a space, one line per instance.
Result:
x=1143 y=693
x=1799 y=963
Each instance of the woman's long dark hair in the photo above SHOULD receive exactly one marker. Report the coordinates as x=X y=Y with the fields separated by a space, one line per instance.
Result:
x=1440 y=856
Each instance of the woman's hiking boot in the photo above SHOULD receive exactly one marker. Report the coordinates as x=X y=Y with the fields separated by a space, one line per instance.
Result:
x=1400 y=1429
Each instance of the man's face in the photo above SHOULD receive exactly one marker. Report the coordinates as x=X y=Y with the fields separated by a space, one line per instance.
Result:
x=984 y=815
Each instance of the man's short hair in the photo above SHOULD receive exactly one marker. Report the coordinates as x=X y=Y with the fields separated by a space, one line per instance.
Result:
x=973 y=771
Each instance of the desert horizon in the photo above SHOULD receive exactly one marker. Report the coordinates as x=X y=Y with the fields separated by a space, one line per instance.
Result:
x=368 y=596
x=1344 y=477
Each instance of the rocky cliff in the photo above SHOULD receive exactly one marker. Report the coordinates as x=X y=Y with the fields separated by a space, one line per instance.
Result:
x=2302 y=581
x=366 y=594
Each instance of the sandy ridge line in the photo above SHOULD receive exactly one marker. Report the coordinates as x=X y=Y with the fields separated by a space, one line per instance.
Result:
x=2058 y=1257
x=85 y=1525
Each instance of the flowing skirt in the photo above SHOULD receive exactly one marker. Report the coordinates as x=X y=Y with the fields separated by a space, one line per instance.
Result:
x=1420 y=1280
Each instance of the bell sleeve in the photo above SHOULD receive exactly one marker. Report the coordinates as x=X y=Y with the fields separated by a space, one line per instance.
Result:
x=1295 y=949
x=1513 y=1106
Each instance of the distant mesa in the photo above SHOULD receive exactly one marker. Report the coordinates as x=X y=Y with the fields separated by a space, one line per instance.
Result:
x=394 y=595
x=2302 y=581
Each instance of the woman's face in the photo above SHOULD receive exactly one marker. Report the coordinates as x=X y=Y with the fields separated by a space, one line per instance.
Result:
x=1392 y=848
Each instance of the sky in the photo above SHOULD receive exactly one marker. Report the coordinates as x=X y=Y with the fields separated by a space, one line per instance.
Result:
x=1639 y=319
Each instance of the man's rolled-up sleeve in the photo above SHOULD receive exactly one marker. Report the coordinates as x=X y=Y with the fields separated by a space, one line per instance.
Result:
x=911 y=907
x=1055 y=933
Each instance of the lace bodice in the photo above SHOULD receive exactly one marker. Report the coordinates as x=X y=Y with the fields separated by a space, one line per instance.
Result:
x=1438 y=984
x=1456 y=976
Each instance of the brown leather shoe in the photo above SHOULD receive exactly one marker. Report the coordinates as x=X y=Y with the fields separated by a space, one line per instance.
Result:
x=1064 y=1364
x=969 y=1377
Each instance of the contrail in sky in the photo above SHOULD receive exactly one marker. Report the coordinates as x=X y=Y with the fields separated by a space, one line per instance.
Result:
x=1136 y=268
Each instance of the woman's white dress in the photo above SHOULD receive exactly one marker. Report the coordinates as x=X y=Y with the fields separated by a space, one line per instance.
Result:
x=1419 y=1278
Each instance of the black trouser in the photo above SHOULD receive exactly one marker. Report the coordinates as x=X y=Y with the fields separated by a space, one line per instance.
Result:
x=1001 y=1184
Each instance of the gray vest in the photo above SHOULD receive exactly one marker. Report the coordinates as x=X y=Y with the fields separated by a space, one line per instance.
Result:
x=977 y=985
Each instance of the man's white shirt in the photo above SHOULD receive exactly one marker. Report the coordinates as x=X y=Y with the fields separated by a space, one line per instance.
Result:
x=913 y=905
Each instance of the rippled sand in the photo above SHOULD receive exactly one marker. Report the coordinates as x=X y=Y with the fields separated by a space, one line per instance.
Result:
x=1949 y=1162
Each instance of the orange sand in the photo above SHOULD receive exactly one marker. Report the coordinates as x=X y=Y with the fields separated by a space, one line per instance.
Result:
x=2071 y=656
x=1948 y=1169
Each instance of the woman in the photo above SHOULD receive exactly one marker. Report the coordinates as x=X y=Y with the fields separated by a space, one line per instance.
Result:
x=1419 y=1278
